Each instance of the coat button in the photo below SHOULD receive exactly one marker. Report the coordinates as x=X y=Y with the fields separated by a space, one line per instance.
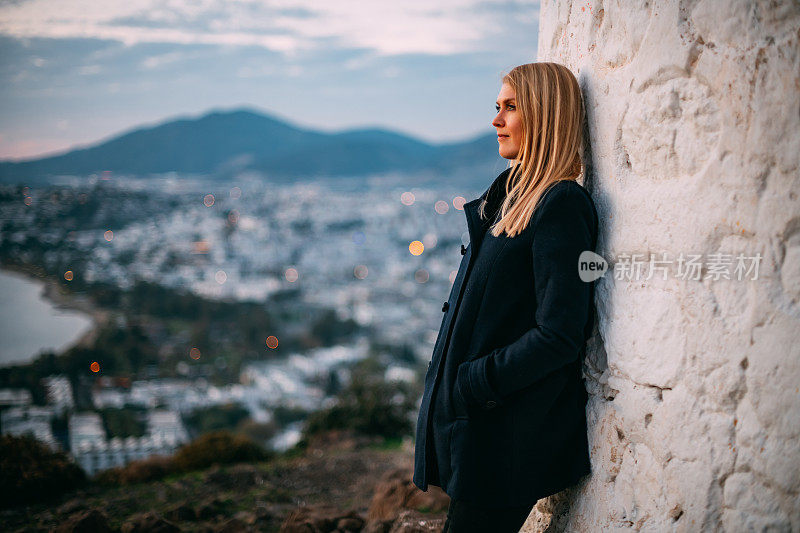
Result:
x=463 y=250
x=490 y=404
x=445 y=307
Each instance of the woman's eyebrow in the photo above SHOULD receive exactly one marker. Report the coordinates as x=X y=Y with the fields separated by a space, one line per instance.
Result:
x=505 y=100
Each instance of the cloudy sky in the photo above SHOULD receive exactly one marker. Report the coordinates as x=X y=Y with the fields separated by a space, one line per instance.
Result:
x=76 y=72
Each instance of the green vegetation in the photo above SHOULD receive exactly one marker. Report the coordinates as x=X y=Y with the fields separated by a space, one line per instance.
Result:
x=32 y=472
x=216 y=417
x=286 y=415
x=219 y=447
x=216 y=448
x=367 y=405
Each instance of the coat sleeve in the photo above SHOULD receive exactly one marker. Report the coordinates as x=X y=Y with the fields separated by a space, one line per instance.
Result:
x=566 y=226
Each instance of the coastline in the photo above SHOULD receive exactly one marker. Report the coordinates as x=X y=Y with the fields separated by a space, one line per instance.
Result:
x=63 y=300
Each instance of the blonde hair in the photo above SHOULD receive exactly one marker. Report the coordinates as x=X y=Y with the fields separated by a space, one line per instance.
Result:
x=549 y=98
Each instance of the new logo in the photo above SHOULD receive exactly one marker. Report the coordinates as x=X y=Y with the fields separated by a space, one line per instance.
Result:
x=591 y=266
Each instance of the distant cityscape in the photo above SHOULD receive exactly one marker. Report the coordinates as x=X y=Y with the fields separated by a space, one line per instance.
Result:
x=381 y=257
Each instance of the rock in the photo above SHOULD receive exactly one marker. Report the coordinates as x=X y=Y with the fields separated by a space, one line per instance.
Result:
x=234 y=477
x=246 y=517
x=90 y=520
x=410 y=521
x=181 y=513
x=264 y=512
x=351 y=522
x=320 y=518
x=148 y=522
x=72 y=506
x=233 y=525
x=378 y=526
x=210 y=509
x=395 y=492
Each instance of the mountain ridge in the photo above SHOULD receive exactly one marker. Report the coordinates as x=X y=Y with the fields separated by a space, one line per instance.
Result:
x=224 y=143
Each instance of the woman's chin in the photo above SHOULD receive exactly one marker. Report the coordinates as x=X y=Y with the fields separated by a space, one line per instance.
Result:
x=505 y=155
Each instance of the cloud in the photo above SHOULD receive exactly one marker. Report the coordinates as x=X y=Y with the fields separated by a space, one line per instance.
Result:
x=160 y=60
x=287 y=26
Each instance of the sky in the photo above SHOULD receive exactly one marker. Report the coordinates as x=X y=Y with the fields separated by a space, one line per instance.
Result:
x=74 y=73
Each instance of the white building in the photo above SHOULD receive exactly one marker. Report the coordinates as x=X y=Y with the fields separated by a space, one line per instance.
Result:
x=15 y=397
x=166 y=425
x=59 y=392
x=85 y=428
x=93 y=452
x=96 y=456
x=30 y=420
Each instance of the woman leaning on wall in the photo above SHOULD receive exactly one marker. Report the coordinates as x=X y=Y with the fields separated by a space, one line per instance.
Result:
x=502 y=421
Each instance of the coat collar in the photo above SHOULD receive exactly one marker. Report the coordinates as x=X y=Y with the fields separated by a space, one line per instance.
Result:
x=494 y=195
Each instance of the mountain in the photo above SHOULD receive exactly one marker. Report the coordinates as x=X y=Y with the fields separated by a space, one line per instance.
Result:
x=224 y=143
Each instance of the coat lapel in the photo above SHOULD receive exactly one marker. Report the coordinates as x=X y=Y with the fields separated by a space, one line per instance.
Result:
x=477 y=226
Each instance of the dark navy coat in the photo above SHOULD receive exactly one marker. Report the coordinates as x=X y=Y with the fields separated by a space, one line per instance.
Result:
x=503 y=415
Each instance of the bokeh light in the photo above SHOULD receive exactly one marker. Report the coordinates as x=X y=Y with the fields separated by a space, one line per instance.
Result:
x=194 y=353
x=94 y=367
x=453 y=274
x=407 y=198
x=360 y=271
x=68 y=275
x=236 y=193
x=421 y=275
x=109 y=235
x=458 y=202
x=416 y=247
x=441 y=207
x=430 y=240
x=272 y=342
x=291 y=274
x=208 y=200
x=221 y=276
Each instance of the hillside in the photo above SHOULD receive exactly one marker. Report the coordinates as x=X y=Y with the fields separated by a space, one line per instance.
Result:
x=355 y=482
x=225 y=143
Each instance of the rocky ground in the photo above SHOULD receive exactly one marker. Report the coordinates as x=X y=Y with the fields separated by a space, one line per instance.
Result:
x=340 y=483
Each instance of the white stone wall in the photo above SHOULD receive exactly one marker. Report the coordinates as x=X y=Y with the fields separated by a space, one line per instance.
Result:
x=694 y=123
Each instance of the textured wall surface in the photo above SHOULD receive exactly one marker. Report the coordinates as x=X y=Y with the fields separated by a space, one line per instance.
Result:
x=694 y=123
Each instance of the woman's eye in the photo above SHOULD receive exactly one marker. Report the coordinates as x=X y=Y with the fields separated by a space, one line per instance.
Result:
x=512 y=106
x=497 y=108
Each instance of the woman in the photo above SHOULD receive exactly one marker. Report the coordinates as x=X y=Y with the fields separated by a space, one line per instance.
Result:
x=502 y=421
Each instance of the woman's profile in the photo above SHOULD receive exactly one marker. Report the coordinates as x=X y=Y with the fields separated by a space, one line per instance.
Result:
x=502 y=421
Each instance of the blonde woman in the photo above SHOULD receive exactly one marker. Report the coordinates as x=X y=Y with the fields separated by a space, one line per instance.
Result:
x=502 y=421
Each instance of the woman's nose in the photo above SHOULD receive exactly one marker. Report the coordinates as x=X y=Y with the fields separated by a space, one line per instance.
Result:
x=497 y=123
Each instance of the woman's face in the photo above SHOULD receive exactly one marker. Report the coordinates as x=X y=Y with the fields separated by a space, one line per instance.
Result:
x=508 y=123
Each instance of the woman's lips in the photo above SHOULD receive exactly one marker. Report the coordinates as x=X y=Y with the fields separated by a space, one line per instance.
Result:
x=501 y=137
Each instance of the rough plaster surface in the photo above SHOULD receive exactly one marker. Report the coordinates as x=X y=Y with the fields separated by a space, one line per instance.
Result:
x=693 y=116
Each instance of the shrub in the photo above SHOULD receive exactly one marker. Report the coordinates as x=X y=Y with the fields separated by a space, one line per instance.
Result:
x=218 y=447
x=368 y=405
x=259 y=432
x=217 y=417
x=150 y=469
x=32 y=472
